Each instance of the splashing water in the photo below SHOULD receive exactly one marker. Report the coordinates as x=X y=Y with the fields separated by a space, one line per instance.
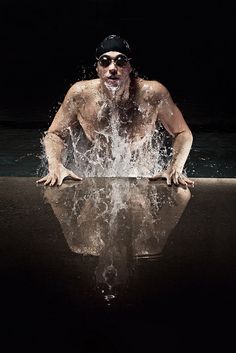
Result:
x=117 y=150
x=118 y=156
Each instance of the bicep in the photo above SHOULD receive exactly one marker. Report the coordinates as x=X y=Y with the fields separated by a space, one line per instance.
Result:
x=171 y=117
x=65 y=118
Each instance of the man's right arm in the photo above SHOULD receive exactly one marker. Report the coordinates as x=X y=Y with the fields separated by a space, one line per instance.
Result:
x=54 y=140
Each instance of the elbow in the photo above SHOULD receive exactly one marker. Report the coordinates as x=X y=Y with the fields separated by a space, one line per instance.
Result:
x=52 y=136
x=189 y=136
x=185 y=136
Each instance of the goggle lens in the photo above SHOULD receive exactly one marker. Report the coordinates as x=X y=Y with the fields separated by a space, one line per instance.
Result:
x=120 y=60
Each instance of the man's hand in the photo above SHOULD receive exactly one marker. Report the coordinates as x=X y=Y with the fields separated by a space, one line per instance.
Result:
x=56 y=176
x=174 y=175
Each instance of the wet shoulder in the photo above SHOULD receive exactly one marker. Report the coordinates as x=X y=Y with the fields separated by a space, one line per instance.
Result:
x=152 y=90
x=83 y=89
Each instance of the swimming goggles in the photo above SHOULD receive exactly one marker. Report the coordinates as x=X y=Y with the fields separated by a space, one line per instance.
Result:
x=120 y=60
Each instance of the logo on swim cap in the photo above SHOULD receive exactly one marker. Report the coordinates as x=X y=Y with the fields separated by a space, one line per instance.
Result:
x=113 y=43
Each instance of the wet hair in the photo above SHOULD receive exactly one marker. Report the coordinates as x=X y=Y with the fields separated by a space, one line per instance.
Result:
x=113 y=43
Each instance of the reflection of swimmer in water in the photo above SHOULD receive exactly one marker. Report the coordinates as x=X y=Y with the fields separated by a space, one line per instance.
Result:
x=117 y=220
x=132 y=104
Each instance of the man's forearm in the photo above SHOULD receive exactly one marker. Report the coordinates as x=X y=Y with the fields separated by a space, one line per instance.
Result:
x=54 y=148
x=181 y=148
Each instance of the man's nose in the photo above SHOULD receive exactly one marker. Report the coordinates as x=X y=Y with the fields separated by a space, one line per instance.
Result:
x=112 y=68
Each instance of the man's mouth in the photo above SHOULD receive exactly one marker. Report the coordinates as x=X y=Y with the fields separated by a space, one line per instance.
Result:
x=113 y=78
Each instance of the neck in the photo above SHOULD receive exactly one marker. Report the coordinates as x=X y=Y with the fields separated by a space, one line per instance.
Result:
x=116 y=94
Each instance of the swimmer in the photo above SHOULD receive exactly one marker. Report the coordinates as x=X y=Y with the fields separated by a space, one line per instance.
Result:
x=90 y=103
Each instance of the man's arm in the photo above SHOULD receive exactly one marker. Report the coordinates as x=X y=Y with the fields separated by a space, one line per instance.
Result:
x=173 y=121
x=55 y=138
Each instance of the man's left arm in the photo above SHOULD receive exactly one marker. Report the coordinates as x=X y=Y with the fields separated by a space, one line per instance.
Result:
x=173 y=121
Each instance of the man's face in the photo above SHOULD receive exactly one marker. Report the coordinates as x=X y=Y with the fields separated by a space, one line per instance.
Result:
x=113 y=68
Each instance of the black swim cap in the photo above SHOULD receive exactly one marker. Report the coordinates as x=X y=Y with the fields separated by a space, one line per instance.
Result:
x=113 y=43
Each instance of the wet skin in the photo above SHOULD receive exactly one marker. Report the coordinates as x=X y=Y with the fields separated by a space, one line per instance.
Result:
x=138 y=104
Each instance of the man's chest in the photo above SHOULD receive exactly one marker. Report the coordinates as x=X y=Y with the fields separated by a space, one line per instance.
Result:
x=132 y=121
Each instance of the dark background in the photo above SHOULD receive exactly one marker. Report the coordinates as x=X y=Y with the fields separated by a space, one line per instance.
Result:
x=189 y=47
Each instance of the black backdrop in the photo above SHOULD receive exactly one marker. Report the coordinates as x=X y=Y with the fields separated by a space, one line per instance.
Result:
x=190 y=48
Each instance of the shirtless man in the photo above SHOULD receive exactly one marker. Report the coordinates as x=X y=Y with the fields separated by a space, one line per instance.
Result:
x=115 y=85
